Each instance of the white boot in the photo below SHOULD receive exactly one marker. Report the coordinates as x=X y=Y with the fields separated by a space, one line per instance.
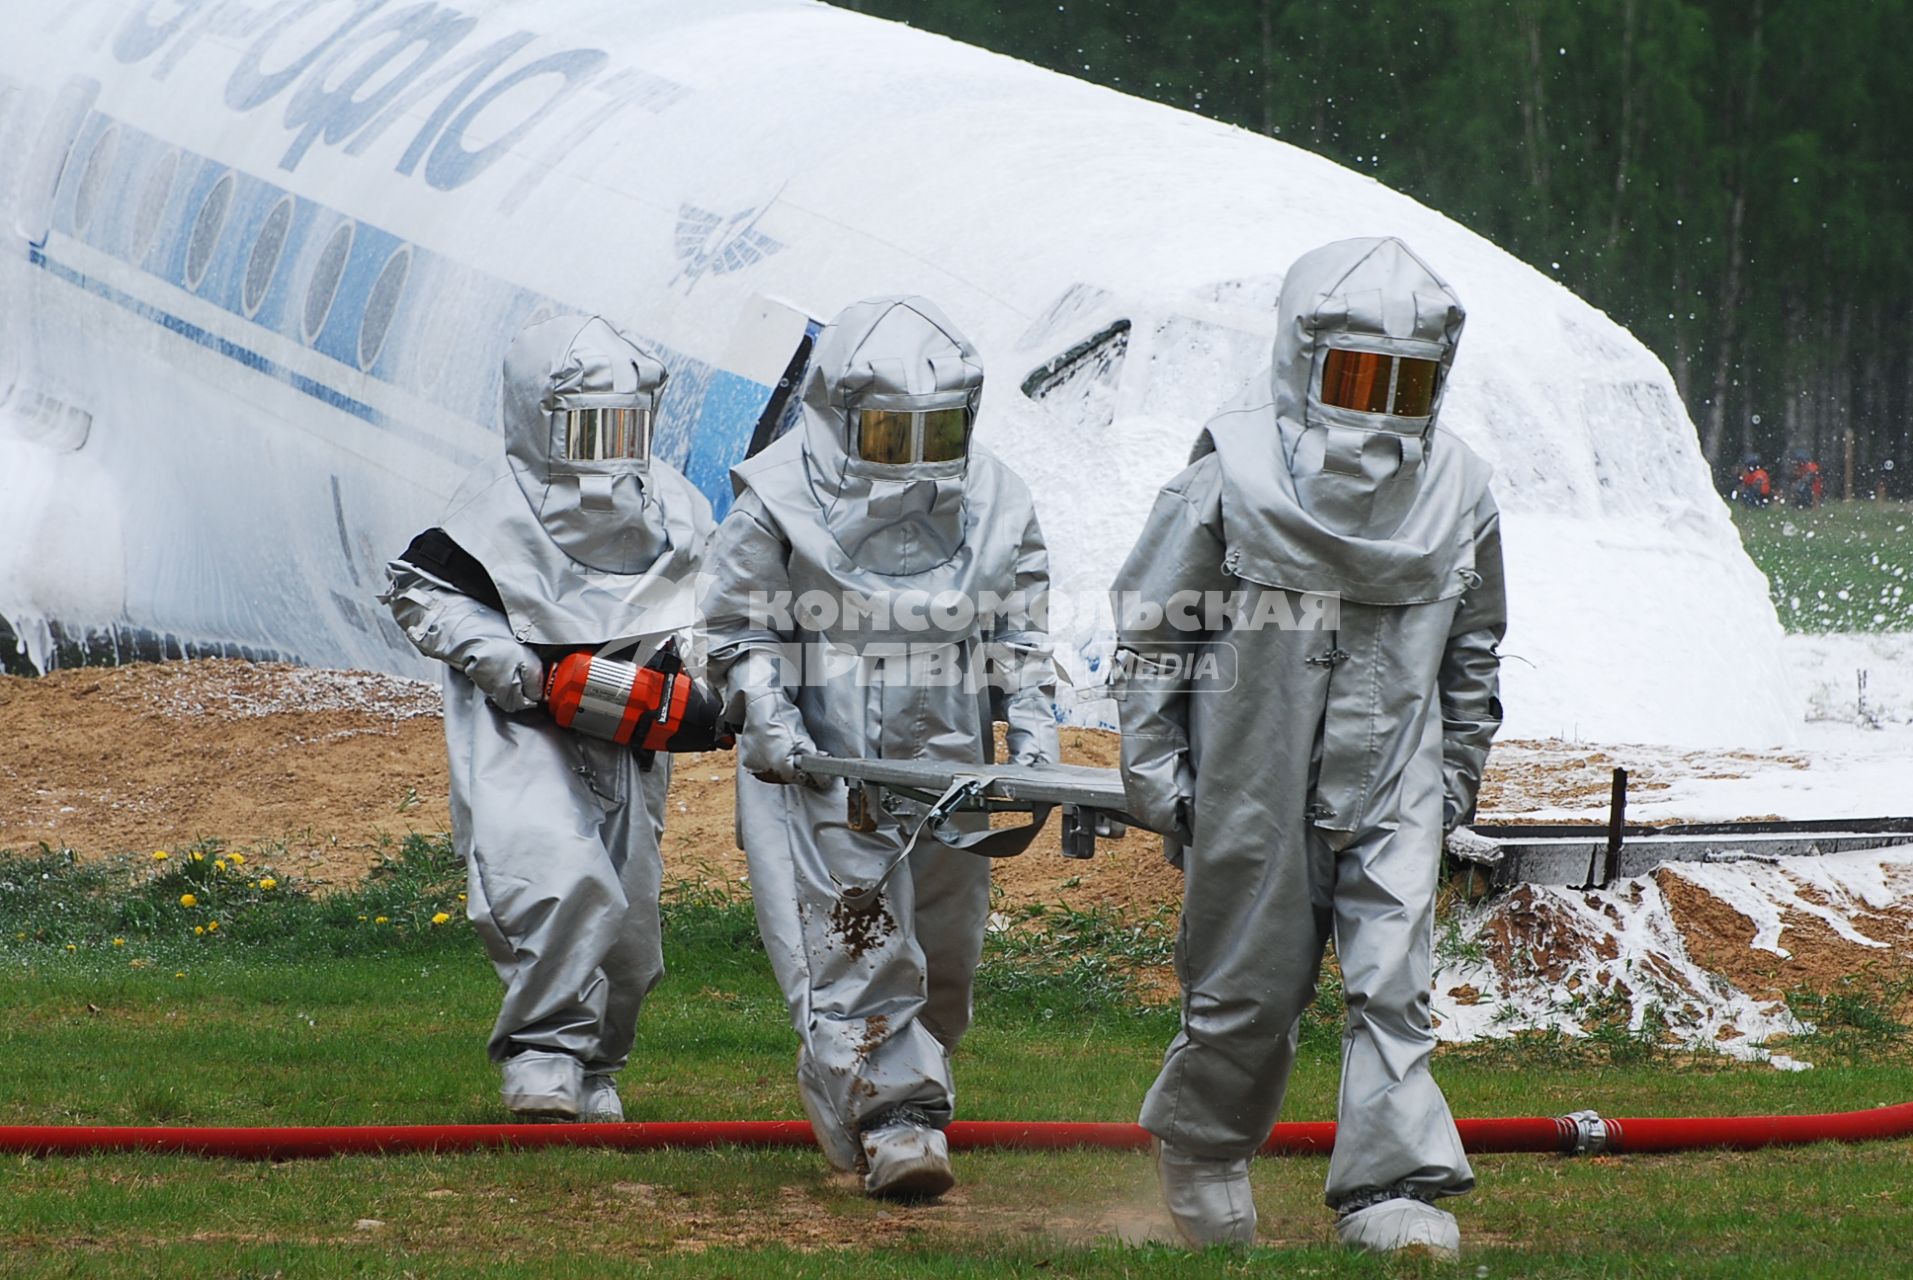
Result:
x=600 y=1103
x=1208 y=1198
x=1405 y=1226
x=905 y=1159
x=543 y=1086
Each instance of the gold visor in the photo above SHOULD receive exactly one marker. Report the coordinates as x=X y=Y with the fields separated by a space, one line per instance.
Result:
x=606 y=435
x=946 y=434
x=897 y=437
x=1369 y=382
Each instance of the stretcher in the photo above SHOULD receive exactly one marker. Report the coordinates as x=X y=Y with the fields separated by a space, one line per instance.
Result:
x=933 y=792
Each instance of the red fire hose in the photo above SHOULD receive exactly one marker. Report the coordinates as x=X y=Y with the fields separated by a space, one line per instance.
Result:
x=1581 y=1133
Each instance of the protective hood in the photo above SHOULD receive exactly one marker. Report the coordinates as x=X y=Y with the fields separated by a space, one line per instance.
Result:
x=1319 y=497
x=897 y=354
x=1358 y=472
x=581 y=551
x=595 y=510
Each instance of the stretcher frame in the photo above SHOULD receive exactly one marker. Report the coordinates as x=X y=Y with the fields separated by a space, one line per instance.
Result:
x=1091 y=800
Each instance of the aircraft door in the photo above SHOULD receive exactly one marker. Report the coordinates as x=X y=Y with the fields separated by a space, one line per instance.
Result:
x=771 y=347
x=749 y=398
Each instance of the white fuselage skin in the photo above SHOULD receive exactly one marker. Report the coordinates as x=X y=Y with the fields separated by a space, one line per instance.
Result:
x=206 y=444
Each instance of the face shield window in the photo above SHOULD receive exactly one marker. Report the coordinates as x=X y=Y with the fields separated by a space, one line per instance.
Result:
x=894 y=437
x=1415 y=384
x=886 y=437
x=607 y=435
x=1370 y=382
x=946 y=434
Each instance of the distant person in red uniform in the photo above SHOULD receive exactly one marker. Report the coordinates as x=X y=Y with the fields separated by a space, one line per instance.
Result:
x=1754 y=487
x=1805 y=485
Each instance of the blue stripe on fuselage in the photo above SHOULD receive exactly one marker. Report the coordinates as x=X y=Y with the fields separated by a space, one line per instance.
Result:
x=213 y=342
x=431 y=351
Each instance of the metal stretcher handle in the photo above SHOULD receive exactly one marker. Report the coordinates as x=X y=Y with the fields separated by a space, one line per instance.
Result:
x=1007 y=787
x=1090 y=799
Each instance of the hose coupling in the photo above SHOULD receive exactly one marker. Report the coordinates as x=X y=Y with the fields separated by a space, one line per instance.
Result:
x=1589 y=1132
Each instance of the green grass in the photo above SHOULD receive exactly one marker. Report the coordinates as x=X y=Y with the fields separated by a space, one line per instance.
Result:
x=1845 y=566
x=298 y=1012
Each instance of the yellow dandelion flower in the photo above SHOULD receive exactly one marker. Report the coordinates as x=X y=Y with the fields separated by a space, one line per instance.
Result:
x=199 y=931
x=188 y=900
x=71 y=947
x=237 y=859
x=379 y=919
x=252 y=884
x=361 y=918
x=160 y=855
x=461 y=897
x=219 y=864
x=119 y=942
x=198 y=856
x=180 y=974
x=441 y=918
x=268 y=882
x=212 y=926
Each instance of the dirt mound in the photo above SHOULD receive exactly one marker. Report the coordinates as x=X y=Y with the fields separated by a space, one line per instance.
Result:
x=1694 y=953
x=1549 y=958
x=1801 y=935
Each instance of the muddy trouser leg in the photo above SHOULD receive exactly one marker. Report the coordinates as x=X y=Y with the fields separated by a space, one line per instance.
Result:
x=1254 y=922
x=1394 y=1129
x=635 y=961
x=548 y=903
x=855 y=982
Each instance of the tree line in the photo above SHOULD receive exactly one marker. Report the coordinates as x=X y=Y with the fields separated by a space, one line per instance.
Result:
x=1721 y=176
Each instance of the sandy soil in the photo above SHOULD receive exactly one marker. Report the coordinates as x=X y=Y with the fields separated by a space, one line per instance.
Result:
x=329 y=764
x=328 y=767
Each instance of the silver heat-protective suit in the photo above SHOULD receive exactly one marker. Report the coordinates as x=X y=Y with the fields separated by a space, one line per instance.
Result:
x=1309 y=771
x=559 y=831
x=879 y=997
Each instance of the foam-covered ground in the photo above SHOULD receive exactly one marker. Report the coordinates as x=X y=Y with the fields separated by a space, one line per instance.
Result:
x=1852 y=754
x=1703 y=955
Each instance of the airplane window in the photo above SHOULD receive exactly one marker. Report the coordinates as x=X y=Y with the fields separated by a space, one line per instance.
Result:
x=99 y=163
x=381 y=304
x=325 y=279
x=266 y=248
x=39 y=182
x=152 y=204
x=206 y=228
